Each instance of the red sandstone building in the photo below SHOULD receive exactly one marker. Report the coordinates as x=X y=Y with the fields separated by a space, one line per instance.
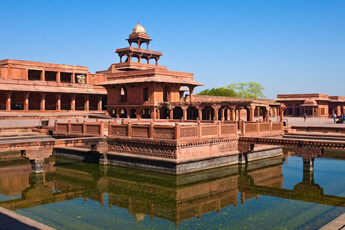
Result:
x=315 y=105
x=37 y=86
x=136 y=87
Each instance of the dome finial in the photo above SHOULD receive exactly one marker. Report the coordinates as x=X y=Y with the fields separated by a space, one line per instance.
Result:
x=139 y=29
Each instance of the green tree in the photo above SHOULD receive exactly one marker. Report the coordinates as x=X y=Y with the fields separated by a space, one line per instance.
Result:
x=222 y=91
x=248 y=90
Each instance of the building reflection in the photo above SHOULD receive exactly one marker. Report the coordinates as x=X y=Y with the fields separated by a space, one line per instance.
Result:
x=173 y=198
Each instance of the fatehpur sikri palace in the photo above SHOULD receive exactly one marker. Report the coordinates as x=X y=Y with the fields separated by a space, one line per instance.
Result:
x=135 y=87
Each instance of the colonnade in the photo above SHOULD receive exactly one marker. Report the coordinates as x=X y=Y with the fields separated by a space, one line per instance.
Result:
x=198 y=112
x=43 y=101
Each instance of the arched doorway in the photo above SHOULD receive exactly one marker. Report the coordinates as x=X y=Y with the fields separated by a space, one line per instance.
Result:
x=208 y=113
x=164 y=113
x=50 y=102
x=146 y=113
x=133 y=113
x=178 y=113
x=17 y=101
x=123 y=113
x=192 y=113
x=34 y=101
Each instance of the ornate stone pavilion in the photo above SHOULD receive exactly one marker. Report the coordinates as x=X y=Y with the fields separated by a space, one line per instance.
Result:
x=315 y=105
x=137 y=88
x=37 y=86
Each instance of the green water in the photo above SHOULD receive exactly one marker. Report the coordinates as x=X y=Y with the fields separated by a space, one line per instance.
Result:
x=268 y=194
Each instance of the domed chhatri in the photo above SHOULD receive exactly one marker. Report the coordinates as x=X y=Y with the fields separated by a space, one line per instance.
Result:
x=139 y=29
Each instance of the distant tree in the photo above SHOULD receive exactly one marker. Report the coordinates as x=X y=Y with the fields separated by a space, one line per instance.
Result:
x=248 y=90
x=222 y=91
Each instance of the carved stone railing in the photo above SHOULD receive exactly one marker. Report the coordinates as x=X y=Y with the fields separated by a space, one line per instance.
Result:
x=78 y=128
x=173 y=132
x=261 y=128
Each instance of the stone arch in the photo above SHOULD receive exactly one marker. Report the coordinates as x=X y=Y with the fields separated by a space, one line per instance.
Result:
x=164 y=113
x=177 y=113
x=34 y=101
x=133 y=113
x=123 y=94
x=122 y=113
x=192 y=113
x=208 y=113
x=50 y=102
x=79 y=102
x=17 y=101
x=146 y=113
x=65 y=102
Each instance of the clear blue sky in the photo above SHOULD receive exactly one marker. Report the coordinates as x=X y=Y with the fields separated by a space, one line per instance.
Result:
x=289 y=46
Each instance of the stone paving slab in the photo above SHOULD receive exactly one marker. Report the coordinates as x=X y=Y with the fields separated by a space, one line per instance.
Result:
x=337 y=223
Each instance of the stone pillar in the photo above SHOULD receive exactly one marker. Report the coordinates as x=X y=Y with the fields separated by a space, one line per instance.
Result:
x=222 y=114
x=281 y=109
x=191 y=88
x=42 y=75
x=232 y=114
x=73 y=78
x=58 y=102
x=266 y=114
x=99 y=104
x=200 y=113
x=171 y=113
x=58 y=77
x=308 y=164
x=216 y=110
x=37 y=165
x=8 y=101
x=250 y=113
x=87 y=103
x=26 y=101
x=73 y=102
x=184 y=108
x=43 y=102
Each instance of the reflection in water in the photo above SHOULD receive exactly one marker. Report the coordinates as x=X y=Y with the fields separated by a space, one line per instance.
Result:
x=153 y=195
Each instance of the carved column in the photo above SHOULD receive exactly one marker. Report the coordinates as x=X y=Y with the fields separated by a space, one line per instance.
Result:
x=73 y=78
x=37 y=165
x=266 y=114
x=216 y=110
x=200 y=113
x=250 y=112
x=184 y=108
x=222 y=114
x=42 y=75
x=281 y=109
x=58 y=102
x=26 y=101
x=191 y=88
x=73 y=102
x=87 y=103
x=99 y=104
x=58 y=77
x=8 y=101
x=232 y=114
x=43 y=102
x=171 y=113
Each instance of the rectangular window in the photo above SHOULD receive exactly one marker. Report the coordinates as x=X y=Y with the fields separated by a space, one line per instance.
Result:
x=50 y=76
x=34 y=75
x=66 y=77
